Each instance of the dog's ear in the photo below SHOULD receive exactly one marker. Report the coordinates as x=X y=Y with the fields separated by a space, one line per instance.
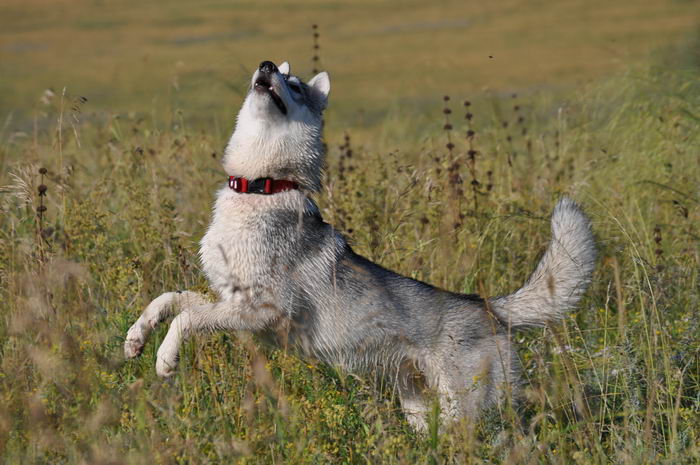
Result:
x=284 y=68
x=321 y=83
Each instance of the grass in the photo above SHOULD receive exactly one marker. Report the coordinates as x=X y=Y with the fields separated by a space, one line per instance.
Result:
x=128 y=196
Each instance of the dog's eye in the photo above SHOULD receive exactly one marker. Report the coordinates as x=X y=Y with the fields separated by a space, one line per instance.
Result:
x=294 y=87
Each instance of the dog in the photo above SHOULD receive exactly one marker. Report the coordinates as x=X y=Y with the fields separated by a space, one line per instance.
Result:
x=280 y=271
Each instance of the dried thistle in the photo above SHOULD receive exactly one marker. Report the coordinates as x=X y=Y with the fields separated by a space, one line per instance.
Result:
x=317 y=47
x=43 y=233
x=658 y=252
x=454 y=179
x=471 y=155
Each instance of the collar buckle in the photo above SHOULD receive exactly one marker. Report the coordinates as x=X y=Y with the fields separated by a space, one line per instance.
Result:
x=238 y=184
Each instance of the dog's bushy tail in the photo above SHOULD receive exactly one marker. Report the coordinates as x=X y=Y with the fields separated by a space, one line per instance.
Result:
x=561 y=276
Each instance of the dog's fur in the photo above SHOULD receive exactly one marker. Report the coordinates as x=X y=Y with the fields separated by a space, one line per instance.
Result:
x=281 y=271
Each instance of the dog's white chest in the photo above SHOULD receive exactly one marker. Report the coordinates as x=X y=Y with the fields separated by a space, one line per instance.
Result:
x=241 y=246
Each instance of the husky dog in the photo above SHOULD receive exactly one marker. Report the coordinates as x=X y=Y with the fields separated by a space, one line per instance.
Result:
x=279 y=270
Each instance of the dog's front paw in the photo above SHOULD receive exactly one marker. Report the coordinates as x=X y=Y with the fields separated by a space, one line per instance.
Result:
x=166 y=363
x=135 y=340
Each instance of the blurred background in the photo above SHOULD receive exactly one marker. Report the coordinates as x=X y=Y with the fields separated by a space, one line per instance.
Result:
x=385 y=58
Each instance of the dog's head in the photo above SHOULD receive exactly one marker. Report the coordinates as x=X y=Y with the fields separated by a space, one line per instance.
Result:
x=278 y=96
x=278 y=130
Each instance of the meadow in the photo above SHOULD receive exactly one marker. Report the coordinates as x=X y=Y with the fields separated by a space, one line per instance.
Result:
x=449 y=142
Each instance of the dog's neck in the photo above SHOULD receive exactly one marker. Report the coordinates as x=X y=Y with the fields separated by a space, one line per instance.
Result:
x=260 y=149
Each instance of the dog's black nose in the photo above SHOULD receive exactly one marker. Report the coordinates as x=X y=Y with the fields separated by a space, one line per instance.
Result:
x=268 y=67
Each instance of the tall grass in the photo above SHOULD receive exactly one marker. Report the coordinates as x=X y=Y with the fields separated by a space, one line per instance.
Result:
x=118 y=221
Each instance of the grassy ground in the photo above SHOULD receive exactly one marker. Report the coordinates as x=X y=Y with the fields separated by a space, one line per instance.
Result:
x=129 y=196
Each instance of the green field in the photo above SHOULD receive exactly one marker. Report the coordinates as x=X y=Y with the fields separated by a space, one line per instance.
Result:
x=385 y=57
x=597 y=100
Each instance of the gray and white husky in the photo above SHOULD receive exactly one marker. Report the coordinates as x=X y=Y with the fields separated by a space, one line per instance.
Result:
x=279 y=270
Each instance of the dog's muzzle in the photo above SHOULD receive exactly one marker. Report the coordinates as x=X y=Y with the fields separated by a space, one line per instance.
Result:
x=263 y=84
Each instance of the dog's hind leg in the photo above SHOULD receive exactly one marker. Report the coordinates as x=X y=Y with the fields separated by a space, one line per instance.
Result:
x=471 y=380
x=411 y=386
x=159 y=309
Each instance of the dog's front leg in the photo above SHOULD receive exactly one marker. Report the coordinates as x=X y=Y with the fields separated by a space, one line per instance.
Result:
x=158 y=310
x=236 y=314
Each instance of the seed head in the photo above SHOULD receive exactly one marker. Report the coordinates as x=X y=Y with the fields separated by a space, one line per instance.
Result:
x=42 y=189
x=43 y=171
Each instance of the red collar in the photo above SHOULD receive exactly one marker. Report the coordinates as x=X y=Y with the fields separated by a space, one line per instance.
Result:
x=260 y=185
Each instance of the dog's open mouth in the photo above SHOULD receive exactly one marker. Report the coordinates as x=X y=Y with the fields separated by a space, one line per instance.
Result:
x=263 y=84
